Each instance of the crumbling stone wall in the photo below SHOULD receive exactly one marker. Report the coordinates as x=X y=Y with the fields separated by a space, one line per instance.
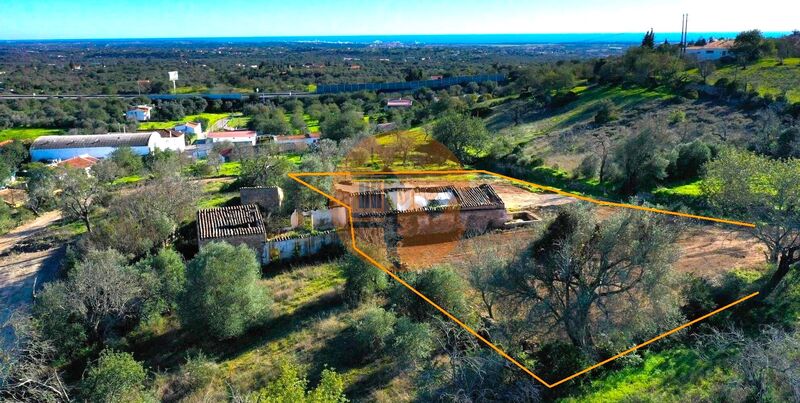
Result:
x=270 y=199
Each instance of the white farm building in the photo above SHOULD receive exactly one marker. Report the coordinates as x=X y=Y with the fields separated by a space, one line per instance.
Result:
x=59 y=148
x=140 y=113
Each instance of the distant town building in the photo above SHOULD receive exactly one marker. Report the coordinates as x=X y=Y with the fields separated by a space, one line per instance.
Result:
x=399 y=103
x=194 y=128
x=139 y=113
x=59 y=148
x=712 y=51
x=233 y=136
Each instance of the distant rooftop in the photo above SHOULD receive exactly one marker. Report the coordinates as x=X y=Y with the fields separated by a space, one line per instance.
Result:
x=79 y=162
x=139 y=139
x=231 y=134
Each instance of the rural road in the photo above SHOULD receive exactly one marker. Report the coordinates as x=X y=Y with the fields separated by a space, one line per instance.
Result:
x=21 y=272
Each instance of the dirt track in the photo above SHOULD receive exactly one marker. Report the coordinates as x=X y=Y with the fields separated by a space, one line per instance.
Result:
x=21 y=273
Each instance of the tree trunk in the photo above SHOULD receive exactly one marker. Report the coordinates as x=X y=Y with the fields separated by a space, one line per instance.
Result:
x=784 y=265
x=86 y=222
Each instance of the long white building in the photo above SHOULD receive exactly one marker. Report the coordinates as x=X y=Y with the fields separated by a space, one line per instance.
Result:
x=59 y=148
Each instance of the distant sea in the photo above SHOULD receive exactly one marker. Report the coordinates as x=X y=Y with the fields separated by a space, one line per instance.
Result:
x=450 y=39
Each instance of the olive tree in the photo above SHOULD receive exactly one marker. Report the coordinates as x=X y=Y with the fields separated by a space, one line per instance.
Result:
x=581 y=273
x=463 y=135
x=765 y=192
x=222 y=296
x=79 y=194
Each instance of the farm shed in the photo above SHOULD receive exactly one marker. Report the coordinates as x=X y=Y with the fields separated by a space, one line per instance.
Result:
x=58 y=148
x=237 y=225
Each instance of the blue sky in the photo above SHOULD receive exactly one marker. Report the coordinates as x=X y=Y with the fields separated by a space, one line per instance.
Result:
x=71 y=19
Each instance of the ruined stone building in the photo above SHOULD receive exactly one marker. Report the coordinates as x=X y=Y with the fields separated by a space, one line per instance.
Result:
x=237 y=225
x=420 y=215
x=270 y=199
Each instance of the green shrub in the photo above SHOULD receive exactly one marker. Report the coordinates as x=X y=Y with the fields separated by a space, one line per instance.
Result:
x=677 y=117
x=605 y=112
x=698 y=293
x=290 y=387
x=588 y=167
x=199 y=371
x=688 y=159
x=557 y=360
x=115 y=377
x=372 y=330
x=363 y=279
x=412 y=342
x=442 y=286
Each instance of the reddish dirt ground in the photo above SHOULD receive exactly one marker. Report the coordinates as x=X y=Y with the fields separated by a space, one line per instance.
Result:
x=706 y=250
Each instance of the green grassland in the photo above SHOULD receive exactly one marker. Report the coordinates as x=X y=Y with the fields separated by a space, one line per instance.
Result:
x=767 y=76
x=671 y=375
x=239 y=122
x=581 y=110
x=212 y=118
x=27 y=134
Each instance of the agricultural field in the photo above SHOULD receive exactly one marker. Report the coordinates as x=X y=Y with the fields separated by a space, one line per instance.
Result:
x=212 y=119
x=27 y=134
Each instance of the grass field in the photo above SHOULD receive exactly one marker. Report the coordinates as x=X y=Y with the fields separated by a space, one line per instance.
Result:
x=28 y=134
x=212 y=118
x=239 y=122
x=766 y=77
x=671 y=375
x=578 y=111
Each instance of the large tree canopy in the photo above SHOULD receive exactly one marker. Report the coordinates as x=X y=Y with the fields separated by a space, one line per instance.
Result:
x=582 y=275
x=766 y=192
x=222 y=296
x=463 y=135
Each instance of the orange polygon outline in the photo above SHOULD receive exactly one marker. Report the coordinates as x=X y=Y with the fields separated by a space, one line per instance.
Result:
x=296 y=176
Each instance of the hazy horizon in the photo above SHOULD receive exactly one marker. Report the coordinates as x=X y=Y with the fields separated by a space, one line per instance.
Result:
x=424 y=38
x=162 y=19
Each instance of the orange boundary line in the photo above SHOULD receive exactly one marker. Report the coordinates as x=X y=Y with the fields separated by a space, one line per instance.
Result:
x=296 y=177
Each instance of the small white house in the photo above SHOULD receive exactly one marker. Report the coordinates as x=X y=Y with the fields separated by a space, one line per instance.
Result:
x=712 y=50
x=233 y=136
x=59 y=148
x=171 y=140
x=140 y=113
x=190 y=128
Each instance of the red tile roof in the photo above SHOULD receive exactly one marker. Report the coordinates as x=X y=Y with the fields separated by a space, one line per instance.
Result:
x=79 y=162
x=314 y=135
x=230 y=134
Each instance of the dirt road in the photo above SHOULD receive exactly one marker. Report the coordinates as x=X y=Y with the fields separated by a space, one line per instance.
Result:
x=21 y=273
